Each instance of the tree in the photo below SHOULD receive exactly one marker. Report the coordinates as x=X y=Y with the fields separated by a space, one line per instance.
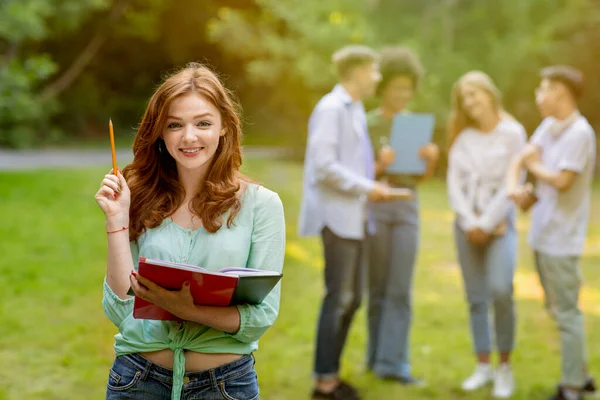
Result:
x=27 y=100
x=275 y=54
x=286 y=46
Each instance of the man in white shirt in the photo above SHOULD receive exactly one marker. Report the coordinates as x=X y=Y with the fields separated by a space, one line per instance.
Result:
x=339 y=179
x=561 y=156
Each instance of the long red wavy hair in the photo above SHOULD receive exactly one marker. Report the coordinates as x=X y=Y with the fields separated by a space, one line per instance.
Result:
x=152 y=176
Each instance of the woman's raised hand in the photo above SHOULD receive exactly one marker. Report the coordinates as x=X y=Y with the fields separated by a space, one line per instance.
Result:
x=114 y=198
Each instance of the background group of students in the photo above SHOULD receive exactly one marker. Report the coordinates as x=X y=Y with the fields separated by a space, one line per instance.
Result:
x=348 y=201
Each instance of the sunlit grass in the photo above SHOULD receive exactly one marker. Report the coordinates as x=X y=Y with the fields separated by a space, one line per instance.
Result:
x=55 y=342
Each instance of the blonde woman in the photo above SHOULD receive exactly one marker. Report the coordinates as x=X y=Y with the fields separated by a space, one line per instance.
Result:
x=483 y=140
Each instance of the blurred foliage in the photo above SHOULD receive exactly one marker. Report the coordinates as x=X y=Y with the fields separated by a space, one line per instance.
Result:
x=286 y=46
x=24 y=24
x=275 y=54
x=45 y=45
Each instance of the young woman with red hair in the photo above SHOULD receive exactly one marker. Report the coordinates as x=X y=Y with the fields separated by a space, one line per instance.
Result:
x=183 y=199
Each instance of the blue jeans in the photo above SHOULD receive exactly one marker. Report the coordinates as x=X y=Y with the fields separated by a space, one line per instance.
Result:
x=392 y=256
x=488 y=273
x=344 y=276
x=135 y=377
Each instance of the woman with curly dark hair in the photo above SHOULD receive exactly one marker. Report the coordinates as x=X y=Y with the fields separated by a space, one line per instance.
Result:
x=394 y=246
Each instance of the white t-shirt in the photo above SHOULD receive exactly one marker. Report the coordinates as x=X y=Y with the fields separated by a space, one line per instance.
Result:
x=477 y=167
x=559 y=219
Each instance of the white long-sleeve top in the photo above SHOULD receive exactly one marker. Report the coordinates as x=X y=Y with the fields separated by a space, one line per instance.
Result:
x=477 y=167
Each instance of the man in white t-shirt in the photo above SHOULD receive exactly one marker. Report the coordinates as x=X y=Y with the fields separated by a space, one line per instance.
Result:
x=561 y=156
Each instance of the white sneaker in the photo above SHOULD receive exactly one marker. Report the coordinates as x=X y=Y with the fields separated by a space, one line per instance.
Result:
x=504 y=382
x=483 y=375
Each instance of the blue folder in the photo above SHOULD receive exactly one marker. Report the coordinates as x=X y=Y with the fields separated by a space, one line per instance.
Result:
x=409 y=133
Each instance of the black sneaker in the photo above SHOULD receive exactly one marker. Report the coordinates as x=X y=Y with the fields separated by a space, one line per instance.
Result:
x=344 y=391
x=590 y=389
x=560 y=395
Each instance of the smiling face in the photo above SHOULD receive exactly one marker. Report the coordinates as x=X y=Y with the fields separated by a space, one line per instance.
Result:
x=192 y=131
x=366 y=77
x=398 y=92
x=477 y=103
x=550 y=97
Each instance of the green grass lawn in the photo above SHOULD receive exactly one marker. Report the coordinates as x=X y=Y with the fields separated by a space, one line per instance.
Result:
x=55 y=342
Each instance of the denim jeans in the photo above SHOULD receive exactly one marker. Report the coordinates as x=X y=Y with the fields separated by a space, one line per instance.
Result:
x=392 y=255
x=561 y=279
x=344 y=277
x=137 y=378
x=488 y=273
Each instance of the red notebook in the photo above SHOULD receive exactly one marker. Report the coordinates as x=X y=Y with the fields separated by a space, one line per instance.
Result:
x=229 y=286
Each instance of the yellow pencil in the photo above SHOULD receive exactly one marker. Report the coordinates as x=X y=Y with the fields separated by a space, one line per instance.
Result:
x=112 y=146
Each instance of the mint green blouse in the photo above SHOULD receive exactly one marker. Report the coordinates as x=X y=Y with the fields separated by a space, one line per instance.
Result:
x=256 y=239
